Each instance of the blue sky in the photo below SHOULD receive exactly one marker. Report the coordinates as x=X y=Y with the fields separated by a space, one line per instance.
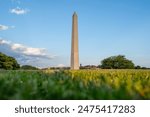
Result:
x=38 y=32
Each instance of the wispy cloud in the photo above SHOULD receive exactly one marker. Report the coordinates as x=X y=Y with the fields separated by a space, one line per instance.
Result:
x=19 y=11
x=25 y=54
x=29 y=51
x=4 y=27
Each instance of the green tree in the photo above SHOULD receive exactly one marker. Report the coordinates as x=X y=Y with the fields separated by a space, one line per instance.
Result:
x=28 y=67
x=138 y=67
x=8 y=63
x=117 y=62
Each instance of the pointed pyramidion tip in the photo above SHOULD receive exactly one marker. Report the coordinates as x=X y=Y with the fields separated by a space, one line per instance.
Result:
x=74 y=13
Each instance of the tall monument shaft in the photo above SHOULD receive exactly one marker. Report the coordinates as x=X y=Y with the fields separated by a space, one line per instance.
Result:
x=74 y=45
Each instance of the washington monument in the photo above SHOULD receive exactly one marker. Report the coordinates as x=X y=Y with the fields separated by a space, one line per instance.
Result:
x=74 y=43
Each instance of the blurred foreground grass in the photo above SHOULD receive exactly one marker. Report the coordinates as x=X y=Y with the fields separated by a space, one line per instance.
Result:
x=81 y=84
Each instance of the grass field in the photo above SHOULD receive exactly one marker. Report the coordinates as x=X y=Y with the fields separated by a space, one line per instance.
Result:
x=81 y=84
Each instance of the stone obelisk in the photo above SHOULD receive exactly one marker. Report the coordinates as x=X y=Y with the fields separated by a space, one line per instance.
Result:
x=74 y=43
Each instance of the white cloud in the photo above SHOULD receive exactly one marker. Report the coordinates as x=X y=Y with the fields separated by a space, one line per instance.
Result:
x=19 y=11
x=4 y=42
x=26 y=55
x=29 y=51
x=4 y=27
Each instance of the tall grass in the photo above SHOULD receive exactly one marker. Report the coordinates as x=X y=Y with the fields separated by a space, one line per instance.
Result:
x=80 y=84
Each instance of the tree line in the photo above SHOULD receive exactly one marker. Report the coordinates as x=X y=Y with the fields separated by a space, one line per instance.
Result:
x=10 y=63
x=113 y=62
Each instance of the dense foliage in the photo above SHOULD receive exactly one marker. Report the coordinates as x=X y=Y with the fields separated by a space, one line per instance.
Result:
x=7 y=62
x=81 y=84
x=117 y=62
x=28 y=67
